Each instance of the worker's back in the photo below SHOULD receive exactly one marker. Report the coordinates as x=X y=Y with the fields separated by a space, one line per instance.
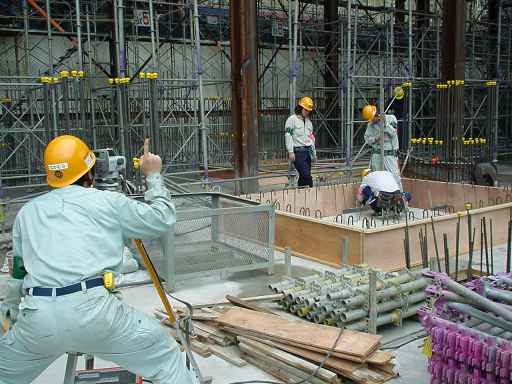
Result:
x=381 y=181
x=74 y=233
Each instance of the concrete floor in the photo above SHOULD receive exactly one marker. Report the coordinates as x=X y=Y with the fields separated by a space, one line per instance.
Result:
x=213 y=289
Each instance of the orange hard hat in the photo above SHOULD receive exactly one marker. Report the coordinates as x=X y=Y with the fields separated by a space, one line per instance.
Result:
x=67 y=159
x=306 y=102
x=369 y=112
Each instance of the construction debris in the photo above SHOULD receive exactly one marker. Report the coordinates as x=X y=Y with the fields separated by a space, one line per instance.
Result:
x=470 y=330
x=342 y=298
x=289 y=349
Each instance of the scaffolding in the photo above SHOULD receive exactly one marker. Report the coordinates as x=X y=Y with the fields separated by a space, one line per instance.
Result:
x=113 y=72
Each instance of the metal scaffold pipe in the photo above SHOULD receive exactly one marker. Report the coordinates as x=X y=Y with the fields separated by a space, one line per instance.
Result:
x=79 y=33
x=199 y=66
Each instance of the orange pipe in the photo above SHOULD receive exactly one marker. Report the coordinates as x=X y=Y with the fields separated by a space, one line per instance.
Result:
x=55 y=24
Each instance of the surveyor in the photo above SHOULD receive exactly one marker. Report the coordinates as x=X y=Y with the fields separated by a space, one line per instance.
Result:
x=380 y=191
x=63 y=243
x=372 y=138
x=300 y=140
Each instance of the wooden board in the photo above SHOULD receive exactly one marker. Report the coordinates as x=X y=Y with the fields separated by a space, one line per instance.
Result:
x=269 y=360
x=354 y=371
x=322 y=337
x=292 y=360
x=243 y=304
x=227 y=356
x=308 y=233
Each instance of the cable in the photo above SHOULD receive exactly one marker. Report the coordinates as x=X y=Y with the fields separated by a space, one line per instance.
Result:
x=395 y=347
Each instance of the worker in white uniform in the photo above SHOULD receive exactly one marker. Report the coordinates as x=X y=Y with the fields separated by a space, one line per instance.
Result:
x=376 y=185
x=372 y=137
x=63 y=242
x=300 y=141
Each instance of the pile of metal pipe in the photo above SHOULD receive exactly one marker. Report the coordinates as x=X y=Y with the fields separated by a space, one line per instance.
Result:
x=470 y=329
x=342 y=298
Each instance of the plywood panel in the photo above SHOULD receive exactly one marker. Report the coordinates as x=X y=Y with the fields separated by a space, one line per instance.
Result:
x=308 y=335
x=320 y=241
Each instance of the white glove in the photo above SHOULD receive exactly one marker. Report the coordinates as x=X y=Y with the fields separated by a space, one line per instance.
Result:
x=10 y=306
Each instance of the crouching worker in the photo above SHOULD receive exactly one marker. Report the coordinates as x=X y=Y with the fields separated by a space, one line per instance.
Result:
x=381 y=192
x=63 y=242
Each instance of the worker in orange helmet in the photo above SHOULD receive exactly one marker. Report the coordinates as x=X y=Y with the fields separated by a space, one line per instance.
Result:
x=63 y=243
x=300 y=140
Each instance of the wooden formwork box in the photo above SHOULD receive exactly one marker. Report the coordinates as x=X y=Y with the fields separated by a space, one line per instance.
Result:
x=298 y=224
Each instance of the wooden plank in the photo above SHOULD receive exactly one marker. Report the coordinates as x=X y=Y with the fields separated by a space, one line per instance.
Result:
x=259 y=337
x=196 y=346
x=308 y=233
x=292 y=360
x=276 y=363
x=354 y=371
x=242 y=304
x=274 y=297
x=339 y=365
x=278 y=373
x=215 y=333
x=227 y=356
x=380 y=358
x=353 y=343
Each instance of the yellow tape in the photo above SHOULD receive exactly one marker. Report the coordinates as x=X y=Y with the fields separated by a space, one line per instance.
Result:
x=427 y=347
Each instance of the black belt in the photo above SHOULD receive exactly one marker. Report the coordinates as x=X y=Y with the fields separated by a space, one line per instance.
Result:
x=389 y=152
x=61 y=291
x=301 y=149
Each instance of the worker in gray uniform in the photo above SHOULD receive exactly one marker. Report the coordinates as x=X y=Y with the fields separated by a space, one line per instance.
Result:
x=64 y=242
x=300 y=141
x=372 y=138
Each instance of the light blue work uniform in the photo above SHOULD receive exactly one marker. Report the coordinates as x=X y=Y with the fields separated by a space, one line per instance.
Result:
x=372 y=138
x=67 y=236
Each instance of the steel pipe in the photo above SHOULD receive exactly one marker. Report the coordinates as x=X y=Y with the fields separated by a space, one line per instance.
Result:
x=473 y=312
x=481 y=301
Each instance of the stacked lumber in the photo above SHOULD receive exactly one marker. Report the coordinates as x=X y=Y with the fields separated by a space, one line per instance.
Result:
x=355 y=356
x=289 y=350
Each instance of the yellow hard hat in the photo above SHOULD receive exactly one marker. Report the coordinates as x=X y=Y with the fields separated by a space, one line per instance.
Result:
x=365 y=172
x=306 y=103
x=369 y=112
x=398 y=93
x=67 y=159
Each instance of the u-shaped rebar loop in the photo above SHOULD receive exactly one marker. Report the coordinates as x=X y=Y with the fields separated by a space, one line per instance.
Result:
x=350 y=219
x=341 y=218
x=277 y=205
x=451 y=209
x=318 y=214
x=308 y=211
x=288 y=208
x=409 y=214
x=365 y=221
x=426 y=214
x=268 y=202
x=373 y=222
x=302 y=211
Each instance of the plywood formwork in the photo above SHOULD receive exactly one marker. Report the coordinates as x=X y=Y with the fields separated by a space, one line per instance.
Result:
x=299 y=226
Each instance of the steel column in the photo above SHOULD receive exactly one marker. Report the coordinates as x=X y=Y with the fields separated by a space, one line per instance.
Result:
x=244 y=72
